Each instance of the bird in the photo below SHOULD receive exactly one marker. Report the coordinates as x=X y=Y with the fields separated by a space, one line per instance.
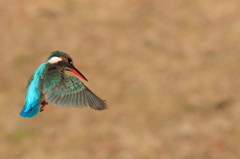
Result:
x=50 y=85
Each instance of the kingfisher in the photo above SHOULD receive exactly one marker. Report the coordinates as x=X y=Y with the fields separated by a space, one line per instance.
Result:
x=50 y=85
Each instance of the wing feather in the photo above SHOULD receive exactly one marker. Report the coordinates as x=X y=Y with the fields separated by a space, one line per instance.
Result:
x=64 y=102
x=68 y=91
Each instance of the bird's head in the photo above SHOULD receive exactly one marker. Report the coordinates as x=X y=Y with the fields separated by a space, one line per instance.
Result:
x=62 y=59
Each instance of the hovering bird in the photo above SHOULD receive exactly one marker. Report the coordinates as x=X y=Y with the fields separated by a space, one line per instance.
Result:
x=50 y=85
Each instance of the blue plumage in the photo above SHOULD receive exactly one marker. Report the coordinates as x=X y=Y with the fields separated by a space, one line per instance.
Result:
x=34 y=95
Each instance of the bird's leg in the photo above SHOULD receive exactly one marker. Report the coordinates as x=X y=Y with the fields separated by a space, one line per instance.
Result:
x=44 y=103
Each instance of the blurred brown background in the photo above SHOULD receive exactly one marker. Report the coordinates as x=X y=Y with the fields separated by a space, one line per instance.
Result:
x=170 y=71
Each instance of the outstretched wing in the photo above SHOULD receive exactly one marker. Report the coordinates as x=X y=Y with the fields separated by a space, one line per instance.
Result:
x=68 y=91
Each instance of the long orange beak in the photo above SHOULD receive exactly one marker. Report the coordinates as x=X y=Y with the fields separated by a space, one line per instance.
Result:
x=78 y=73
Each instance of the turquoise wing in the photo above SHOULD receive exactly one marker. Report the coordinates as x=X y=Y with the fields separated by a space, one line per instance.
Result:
x=68 y=91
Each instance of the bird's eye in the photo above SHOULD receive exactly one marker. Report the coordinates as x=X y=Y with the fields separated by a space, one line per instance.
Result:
x=70 y=62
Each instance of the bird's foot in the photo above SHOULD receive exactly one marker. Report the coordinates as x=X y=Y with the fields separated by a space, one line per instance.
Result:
x=43 y=106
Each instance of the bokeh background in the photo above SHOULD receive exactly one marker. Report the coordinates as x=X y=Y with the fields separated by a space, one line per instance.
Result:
x=170 y=71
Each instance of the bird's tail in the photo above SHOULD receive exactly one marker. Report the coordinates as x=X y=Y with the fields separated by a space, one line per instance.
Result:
x=31 y=112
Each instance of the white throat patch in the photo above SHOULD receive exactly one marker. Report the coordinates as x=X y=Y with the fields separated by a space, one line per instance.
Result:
x=54 y=59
